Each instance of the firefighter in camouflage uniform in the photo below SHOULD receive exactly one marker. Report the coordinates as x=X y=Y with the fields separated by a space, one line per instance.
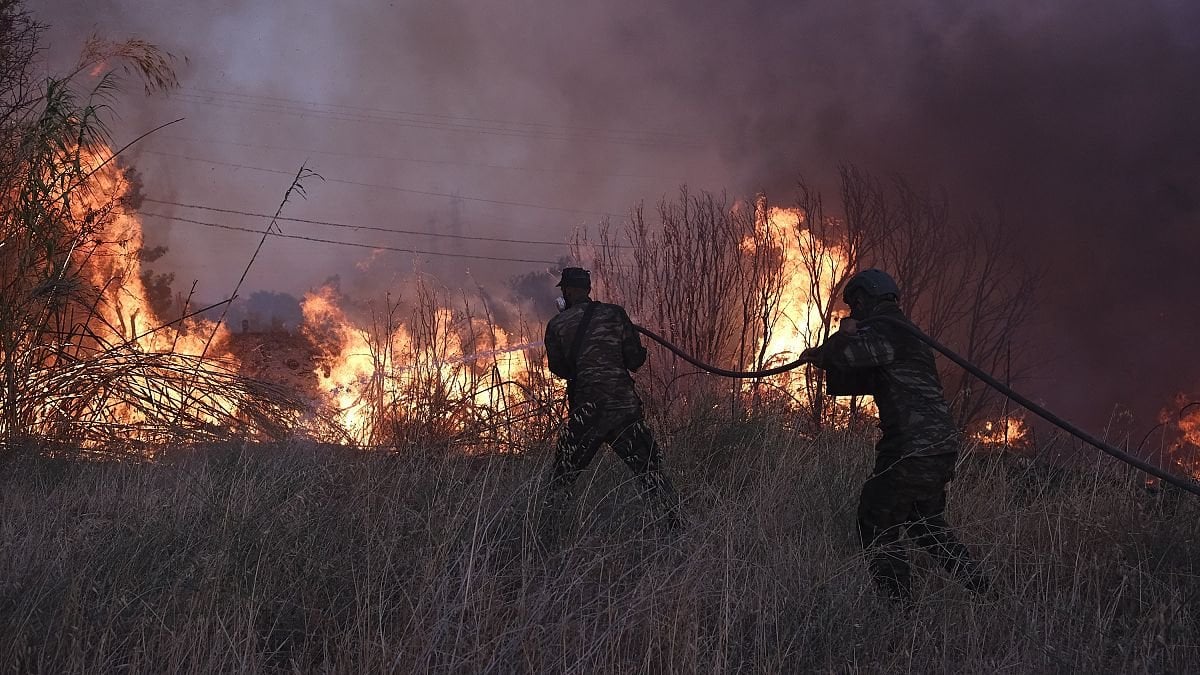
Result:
x=593 y=346
x=916 y=455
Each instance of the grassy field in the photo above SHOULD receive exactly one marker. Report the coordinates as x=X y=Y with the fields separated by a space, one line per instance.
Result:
x=320 y=559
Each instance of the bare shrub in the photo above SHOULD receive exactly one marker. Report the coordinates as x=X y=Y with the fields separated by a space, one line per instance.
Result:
x=965 y=283
x=706 y=276
x=722 y=280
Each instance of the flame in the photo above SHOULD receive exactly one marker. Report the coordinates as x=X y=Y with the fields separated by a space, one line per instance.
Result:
x=116 y=321
x=1182 y=420
x=113 y=265
x=446 y=372
x=1007 y=432
x=810 y=269
x=347 y=365
x=437 y=373
x=1189 y=425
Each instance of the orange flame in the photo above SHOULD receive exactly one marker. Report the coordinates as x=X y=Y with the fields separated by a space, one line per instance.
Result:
x=108 y=239
x=810 y=269
x=1183 y=420
x=452 y=367
x=113 y=265
x=1008 y=432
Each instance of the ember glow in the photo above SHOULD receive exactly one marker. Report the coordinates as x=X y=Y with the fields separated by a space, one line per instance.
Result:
x=1182 y=420
x=1009 y=432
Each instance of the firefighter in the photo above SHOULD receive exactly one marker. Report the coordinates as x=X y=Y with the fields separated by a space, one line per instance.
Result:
x=594 y=346
x=916 y=455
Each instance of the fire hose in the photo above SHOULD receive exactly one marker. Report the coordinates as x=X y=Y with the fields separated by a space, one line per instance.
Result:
x=751 y=374
x=1142 y=465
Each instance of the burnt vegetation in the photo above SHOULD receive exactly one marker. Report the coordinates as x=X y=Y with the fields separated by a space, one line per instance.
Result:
x=176 y=497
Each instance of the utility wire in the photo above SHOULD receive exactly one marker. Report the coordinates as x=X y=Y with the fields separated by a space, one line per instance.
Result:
x=649 y=132
x=350 y=226
x=399 y=189
x=414 y=160
x=256 y=107
x=347 y=243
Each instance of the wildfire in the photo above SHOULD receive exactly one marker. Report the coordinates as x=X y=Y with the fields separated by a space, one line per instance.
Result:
x=434 y=373
x=113 y=265
x=809 y=270
x=127 y=373
x=1183 y=422
x=1009 y=432
x=101 y=368
x=428 y=371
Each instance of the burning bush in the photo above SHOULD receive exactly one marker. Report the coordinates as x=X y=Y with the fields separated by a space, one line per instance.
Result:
x=425 y=372
x=84 y=359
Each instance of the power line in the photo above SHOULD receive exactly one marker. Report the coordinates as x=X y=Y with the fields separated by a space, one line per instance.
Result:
x=490 y=221
x=346 y=243
x=427 y=193
x=251 y=106
x=442 y=122
x=350 y=226
x=414 y=160
x=386 y=111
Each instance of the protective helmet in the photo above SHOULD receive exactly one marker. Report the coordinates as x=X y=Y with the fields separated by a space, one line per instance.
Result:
x=875 y=283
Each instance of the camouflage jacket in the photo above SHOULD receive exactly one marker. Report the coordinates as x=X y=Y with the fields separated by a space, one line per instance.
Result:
x=609 y=350
x=897 y=369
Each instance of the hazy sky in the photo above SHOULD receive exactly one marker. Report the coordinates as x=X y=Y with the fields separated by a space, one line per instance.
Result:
x=525 y=120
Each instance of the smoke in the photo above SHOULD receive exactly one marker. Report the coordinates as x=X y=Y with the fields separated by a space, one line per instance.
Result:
x=1075 y=120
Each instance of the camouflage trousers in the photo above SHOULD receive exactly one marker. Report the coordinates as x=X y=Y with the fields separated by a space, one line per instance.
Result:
x=909 y=496
x=588 y=427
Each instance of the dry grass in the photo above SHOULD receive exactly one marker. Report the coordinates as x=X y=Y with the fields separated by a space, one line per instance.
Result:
x=321 y=559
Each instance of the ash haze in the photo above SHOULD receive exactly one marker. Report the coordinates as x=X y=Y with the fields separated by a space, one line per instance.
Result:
x=1077 y=120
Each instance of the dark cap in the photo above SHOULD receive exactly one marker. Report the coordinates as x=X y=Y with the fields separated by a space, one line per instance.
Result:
x=576 y=277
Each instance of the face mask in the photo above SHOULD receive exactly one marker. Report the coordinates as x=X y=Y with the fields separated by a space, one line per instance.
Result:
x=561 y=303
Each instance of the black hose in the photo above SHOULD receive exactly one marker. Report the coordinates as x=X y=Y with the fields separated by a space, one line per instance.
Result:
x=751 y=374
x=1182 y=483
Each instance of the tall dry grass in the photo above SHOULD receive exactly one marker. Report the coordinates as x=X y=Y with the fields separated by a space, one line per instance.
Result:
x=318 y=559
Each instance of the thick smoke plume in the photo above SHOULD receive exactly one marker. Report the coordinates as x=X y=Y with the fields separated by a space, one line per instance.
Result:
x=1075 y=121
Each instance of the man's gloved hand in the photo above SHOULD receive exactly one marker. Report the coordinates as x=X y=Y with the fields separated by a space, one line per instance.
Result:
x=848 y=326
